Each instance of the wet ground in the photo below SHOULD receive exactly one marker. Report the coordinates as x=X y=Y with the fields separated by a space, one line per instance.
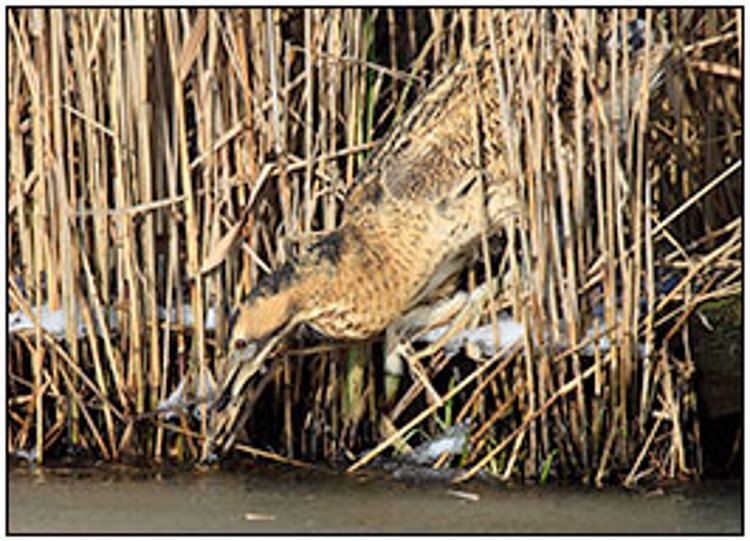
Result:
x=268 y=499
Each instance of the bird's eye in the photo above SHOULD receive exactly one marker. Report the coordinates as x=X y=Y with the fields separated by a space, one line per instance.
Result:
x=240 y=344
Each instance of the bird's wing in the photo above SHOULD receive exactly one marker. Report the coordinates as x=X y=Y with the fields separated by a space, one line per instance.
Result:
x=430 y=154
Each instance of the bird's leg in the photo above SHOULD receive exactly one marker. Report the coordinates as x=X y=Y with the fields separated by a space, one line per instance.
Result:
x=393 y=367
x=397 y=334
x=450 y=315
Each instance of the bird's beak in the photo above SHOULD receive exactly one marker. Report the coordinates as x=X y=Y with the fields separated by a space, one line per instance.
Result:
x=243 y=365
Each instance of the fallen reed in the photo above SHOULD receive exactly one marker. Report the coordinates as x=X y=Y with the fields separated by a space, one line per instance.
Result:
x=162 y=161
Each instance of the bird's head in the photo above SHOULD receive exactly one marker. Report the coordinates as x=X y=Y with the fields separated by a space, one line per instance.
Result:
x=257 y=322
x=264 y=314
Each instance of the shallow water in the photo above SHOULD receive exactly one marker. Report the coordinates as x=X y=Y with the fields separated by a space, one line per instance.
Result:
x=263 y=499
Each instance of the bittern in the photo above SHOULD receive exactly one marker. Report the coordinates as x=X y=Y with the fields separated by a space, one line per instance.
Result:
x=440 y=179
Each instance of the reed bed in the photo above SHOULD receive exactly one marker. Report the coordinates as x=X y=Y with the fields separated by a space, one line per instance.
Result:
x=162 y=161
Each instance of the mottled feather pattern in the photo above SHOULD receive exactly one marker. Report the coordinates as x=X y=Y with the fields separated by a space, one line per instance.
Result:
x=411 y=221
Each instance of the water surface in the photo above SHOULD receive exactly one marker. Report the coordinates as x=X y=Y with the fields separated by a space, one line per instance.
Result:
x=268 y=499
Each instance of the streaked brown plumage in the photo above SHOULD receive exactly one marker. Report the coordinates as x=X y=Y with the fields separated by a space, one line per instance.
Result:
x=418 y=208
x=409 y=225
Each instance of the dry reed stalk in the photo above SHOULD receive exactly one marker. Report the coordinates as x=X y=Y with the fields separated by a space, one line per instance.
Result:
x=145 y=120
x=40 y=244
x=100 y=380
x=67 y=270
x=191 y=226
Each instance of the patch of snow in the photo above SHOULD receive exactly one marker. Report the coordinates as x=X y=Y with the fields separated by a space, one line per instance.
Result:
x=187 y=316
x=481 y=337
x=451 y=441
x=24 y=454
x=186 y=395
x=53 y=321
x=174 y=403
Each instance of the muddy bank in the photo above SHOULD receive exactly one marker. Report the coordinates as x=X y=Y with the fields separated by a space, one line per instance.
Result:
x=263 y=499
